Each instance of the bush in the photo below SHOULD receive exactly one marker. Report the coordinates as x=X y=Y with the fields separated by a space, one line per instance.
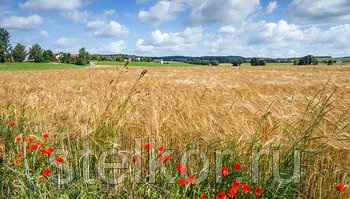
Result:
x=237 y=62
x=308 y=60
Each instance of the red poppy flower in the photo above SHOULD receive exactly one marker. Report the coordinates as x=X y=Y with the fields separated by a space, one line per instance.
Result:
x=161 y=148
x=34 y=147
x=181 y=182
x=18 y=139
x=232 y=192
x=258 y=191
x=50 y=150
x=203 y=197
x=40 y=179
x=40 y=143
x=169 y=157
x=30 y=139
x=148 y=146
x=181 y=168
x=17 y=162
x=341 y=187
x=12 y=123
x=28 y=147
x=59 y=159
x=45 y=135
x=246 y=188
x=46 y=172
x=144 y=170
x=224 y=171
x=221 y=195
x=20 y=154
x=162 y=158
x=135 y=159
x=344 y=190
x=236 y=184
x=236 y=166
x=1 y=154
x=43 y=151
x=190 y=180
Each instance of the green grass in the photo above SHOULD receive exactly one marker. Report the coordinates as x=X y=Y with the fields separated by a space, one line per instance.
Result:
x=134 y=63
x=34 y=66
x=344 y=59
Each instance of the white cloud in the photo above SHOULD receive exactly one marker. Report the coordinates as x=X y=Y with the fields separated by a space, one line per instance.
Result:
x=21 y=23
x=66 y=44
x=227 y=29
x=161 y=12
x=221 y=11
x=77 y=16
x=144 y=48
x=186 y=42
x=51 y=5
x=110 y=12
x=96 y=24
x=320 y=11
x=281 y=39
x=111 y=48
x=44 y=34
x=280 y=32
x=102 y=29
x=271 y=7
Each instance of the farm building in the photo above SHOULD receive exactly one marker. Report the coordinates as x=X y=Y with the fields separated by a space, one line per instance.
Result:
x=160 y=61
x=132 y=58
x=338 y=61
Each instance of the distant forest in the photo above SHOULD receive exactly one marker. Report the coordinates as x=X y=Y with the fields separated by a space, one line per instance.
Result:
x=204 y=60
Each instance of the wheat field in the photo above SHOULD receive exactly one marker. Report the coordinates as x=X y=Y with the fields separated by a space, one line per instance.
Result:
x=183 y=103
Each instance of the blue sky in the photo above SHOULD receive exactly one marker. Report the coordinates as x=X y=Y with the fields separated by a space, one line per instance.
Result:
x=266 y=28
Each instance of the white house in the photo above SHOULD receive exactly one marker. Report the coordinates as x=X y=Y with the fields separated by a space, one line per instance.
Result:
x=160 y=61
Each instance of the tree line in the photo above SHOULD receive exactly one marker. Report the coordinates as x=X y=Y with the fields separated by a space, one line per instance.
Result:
x=36 y=53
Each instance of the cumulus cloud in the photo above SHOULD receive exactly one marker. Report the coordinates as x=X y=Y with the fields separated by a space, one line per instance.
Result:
x=221 y=11
x=109 y=13
x=44 y=34
x=51 y=5
x=21 y=23
x=173 y=42
x=227 y=29
x=281 y=39
x=320 y=11
x=77 y=16
x=271 y=7
x=161 y=12
x=104 y=29
x=271 y=33
x=65 y=42
x=110 y=48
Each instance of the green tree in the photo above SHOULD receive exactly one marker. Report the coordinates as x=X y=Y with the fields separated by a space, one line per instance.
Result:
x=237 y=62
x=120 y=58
x=262 y=62
x=254 y=61
x=95 y=57
x=257 y=62
x=214 y=63
x=48 y=56
x=147 y=59
x=83 y=57
x=4 y=44
x=19 y=53
x=36 y=53
x=296 y=62
x=330 y=62
x=308 y=60
x=66 y=58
